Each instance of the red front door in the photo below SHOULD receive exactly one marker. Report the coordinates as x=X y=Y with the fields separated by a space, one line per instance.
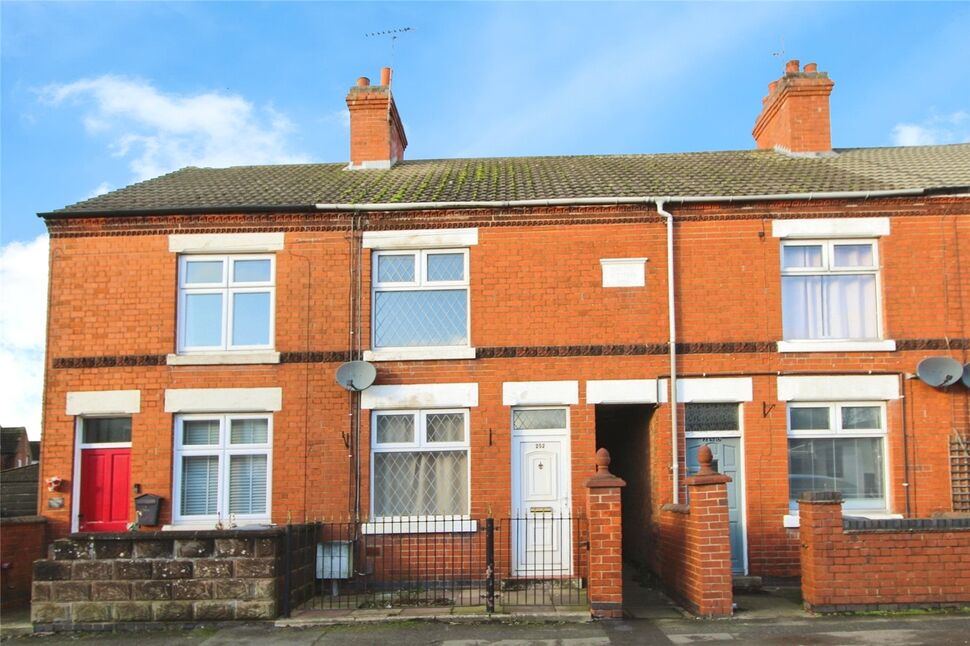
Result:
x=105 y=497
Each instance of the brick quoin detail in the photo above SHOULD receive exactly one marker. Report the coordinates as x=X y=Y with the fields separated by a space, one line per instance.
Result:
x=695 y=544
x=907 y=567
x=605 y=540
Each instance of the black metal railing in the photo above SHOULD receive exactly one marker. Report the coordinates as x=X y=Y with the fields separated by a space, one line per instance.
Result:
x=540 y=560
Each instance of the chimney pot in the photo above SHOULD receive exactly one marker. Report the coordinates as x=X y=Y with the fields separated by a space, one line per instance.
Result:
x=377 y=138
x=795 y=114
x=386 y=76
x=363 y=81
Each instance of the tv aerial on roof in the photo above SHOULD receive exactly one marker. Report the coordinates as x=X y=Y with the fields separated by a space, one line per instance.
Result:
x=356 y=376
x=939 y=371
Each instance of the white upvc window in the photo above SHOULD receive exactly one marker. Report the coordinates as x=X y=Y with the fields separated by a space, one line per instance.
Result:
x=223 y=469
x=830 y=290
x=226 y=303
x=420 y=299
x=419 y=463
x=839 y=446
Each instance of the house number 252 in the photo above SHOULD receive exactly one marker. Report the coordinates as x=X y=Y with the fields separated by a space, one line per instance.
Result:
x=540 y=445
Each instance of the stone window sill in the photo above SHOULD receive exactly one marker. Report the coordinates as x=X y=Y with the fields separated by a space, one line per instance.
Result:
x=420 y=525
x=419 y=354
x=222 y=358
x=837 y=346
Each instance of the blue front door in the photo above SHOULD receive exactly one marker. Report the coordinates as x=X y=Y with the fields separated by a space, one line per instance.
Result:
x=727 y=460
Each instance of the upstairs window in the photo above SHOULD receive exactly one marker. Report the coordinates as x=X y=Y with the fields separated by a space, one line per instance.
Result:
x=420 y=298
x=830 y=290
x=226 y=303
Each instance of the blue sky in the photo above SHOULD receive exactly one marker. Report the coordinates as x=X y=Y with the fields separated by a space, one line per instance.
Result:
x=96 y=96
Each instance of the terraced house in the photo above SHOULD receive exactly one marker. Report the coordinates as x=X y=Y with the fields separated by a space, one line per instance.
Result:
x=521 y=313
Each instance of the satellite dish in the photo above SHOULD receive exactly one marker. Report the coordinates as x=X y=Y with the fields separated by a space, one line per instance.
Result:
x=356 y=376
x=966 y=375
x=939 y=371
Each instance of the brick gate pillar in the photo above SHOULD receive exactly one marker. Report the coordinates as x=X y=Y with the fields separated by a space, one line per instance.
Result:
x=605 y=540
x=709 y=538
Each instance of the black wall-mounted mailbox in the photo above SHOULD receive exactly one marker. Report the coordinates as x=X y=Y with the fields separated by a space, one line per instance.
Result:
x=146 y=508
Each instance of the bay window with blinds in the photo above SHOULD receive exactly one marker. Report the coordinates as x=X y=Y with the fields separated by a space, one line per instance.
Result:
x=223 y=467
x=419 y=464
x=830 y=290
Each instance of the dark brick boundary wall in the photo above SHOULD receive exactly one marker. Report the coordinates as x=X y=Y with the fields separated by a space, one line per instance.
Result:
x=91 y=581
x=695 y=545
x=23 y=539
x=856 y=564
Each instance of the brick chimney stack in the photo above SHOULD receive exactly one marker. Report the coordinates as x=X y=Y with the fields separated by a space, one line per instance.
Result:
x=377 y=137
x=795 y=114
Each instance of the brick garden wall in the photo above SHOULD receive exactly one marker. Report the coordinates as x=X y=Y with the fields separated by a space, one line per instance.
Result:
x=91 y=581
x=694 y=551
x=850 y=565
x=538 y=312
x=22 y=540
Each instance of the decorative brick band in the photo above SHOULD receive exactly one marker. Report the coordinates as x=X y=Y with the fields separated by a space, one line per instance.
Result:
x=520 y=352
x=110 y=361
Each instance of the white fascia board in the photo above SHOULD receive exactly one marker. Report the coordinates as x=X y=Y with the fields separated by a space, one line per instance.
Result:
x=830 y=228
x=538 y=393
x=225 y=242
x=710 y=389
x=420 y=239
x=838 y=388
x=420 y=396
x=104 y=402
x=621 y=391
x=223 y=400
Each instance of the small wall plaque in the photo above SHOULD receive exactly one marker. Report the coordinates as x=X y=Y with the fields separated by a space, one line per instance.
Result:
x=55 y=503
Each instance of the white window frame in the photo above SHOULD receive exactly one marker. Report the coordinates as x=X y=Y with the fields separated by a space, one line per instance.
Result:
x=835 y=431
x=827 y=268
x=227 y=288
x=422 y=523
x=223 y=450
x=420 y=283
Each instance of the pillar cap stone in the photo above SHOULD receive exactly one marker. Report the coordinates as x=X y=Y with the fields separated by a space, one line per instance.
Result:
x=603 y=477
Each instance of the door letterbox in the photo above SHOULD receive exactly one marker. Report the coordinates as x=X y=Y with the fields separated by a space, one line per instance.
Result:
x=146 y=508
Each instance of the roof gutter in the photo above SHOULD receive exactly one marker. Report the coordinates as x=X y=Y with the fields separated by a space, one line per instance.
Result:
x=617 y=200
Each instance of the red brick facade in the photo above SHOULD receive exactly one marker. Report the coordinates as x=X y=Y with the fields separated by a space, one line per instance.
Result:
x=538 y=312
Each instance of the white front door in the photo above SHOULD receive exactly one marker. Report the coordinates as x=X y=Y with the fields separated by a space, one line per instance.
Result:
x=541 y=524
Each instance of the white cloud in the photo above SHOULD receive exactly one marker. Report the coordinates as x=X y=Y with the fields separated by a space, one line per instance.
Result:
x=103 y=187
x=158 y=132
x=951 y=128
x=23 y=326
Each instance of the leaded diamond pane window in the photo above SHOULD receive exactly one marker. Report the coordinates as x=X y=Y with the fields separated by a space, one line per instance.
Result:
x=395 y=428
x=704 y=418
x=420 y=463
x=420 y=299
x=538 y=418
x=449 y=427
